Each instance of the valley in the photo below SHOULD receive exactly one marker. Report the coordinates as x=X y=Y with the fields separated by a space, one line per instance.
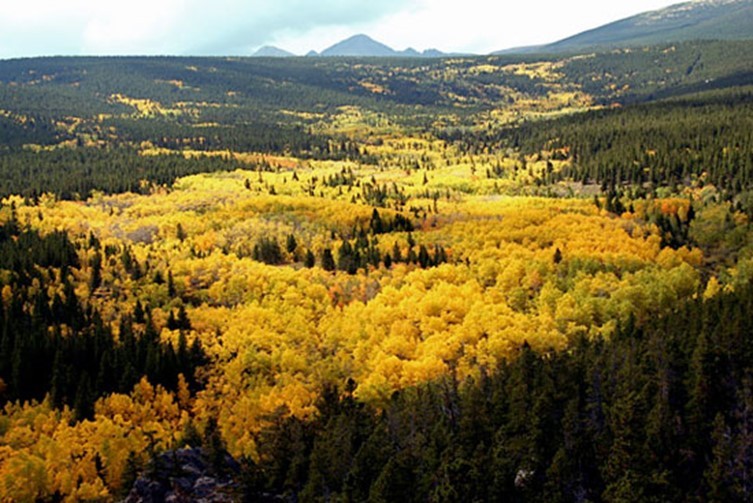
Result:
x=500 y=277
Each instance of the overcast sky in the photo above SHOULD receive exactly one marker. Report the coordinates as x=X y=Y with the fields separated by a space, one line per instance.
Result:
x=239 y=27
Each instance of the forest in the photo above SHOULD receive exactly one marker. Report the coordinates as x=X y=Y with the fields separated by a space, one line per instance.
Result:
x=473 y=278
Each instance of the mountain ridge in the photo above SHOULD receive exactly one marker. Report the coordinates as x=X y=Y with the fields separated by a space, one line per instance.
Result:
x=359 y=45
x=270 y=51
x=686 y=21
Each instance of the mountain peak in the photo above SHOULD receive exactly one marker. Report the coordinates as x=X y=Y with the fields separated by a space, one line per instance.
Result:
x=359 y=45
x=270 y=51
x=364 y=46
x=360 y=37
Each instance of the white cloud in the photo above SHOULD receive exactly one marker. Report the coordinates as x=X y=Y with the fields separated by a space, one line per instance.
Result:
x=42 y=27
x=480 y=26
x=140 y=28
x=231 y=27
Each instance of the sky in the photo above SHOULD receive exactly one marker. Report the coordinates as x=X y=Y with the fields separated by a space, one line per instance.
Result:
x=239 y=27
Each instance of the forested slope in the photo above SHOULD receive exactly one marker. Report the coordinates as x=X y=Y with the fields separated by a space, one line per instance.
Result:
x=659 y=413
x=466 y=278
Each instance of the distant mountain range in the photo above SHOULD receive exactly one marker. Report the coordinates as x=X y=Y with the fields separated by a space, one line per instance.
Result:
x=355 y=46
x=269 y=51
x=695 y=20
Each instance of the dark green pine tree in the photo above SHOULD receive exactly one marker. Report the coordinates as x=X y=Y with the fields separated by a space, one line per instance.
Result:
x=397 y=255
x=396 y=482
x=742 y=469
x=331 y=458
x=387 y=260
x=423 y=257
x=623 y=470
x=328 y=261
x=214 y=447
x=138 y=313
x=661 y=432
x=369 y=461
x=182 y=321
x=183 y=356
x=131 y=472
x=83 y=404
x=719 y=477
x=376 y=225
x=105 y=382
x=291 y=244
x=346 y=258
x=171 y=323
x=170 y=285
x=95 y=280
x=309 y=259
x=513 y=463
x=58 y=385
x=18 y=382
x=6 y=342
x=700 y=410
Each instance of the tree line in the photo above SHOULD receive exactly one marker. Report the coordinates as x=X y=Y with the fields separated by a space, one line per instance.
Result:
x=51 y=343
x=359 y=251
x=664 y=144
x=660 y=412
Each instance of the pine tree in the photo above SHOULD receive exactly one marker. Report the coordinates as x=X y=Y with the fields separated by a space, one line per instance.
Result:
x=346 y=258
x=96 y=271
x=719 y=476
x=182 y=321
x=180 y=233
x=397 y=255
x=170 y=285
x=557 y=256
x=387 y=261
x=58 y=385
x=328 y=261
x=138 y=313
x=309 y=260
x=130 y=473
x=214 y=447
x=83 y=404
x=423 y=257
x=376 y=225
x=291 y=244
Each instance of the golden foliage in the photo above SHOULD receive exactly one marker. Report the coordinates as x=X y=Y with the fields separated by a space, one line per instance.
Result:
x=520 y=269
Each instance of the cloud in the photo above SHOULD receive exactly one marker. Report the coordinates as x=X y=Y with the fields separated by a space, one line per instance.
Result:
x=267 y=20
x=481 y=26
x=237 y=27
x=36 y=27
x=219 y=27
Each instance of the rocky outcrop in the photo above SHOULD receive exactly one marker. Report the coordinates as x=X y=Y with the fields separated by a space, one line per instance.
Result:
x=187 y=475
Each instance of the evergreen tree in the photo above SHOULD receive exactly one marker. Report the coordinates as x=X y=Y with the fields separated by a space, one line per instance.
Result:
x=96 y=271
x=346 y=258
x=83 y=404
x=309 y=260
x=214 y=447
x=328 y=261
x=170 y=285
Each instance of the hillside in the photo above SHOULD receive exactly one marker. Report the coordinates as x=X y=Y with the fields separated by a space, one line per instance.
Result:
x=695 y=20
x=85 y=87
x=265 y=104
x=502 y=278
